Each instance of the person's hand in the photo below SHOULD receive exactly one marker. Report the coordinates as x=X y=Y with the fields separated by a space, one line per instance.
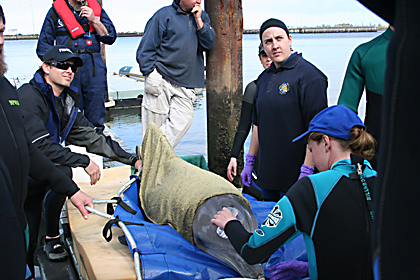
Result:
x=197 y=11
x=231 y=170
x=138 y=164
x=93 y=171
x=305 y=170
x=288 y=270
x=88 y=13
x=246 y=174
x=80 y=199
x=222 y=218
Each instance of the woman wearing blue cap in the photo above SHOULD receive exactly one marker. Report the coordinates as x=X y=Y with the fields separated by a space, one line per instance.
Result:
x=332 y=208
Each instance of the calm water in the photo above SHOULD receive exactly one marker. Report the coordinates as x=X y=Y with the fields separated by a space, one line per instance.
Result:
x=329 y=52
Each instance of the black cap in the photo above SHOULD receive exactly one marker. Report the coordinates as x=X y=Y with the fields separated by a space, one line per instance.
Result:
x=260 y=50
x=272 y=22
x=61 y=54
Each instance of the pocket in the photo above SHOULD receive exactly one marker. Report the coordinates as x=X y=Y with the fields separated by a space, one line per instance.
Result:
x=153 y=83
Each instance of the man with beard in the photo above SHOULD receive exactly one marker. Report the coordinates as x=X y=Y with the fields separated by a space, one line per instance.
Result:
x=19 y=160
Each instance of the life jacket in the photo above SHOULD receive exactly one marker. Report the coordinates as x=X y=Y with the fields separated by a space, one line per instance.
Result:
x=73 y=27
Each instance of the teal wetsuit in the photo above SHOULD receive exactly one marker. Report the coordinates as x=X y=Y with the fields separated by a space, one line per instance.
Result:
x=330 y=209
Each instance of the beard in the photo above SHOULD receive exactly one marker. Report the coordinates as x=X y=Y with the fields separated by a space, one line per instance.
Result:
x=3 y=64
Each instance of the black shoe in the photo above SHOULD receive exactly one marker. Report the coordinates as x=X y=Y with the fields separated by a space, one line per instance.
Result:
x=54 y=249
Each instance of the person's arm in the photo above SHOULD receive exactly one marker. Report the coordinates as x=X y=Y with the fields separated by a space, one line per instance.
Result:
x=150 y=41
x=83 y=134
x=254 y=147
x=206 y=34
x=42 y=169
x=308 y=166
x=103 y=26
x=277 y=229
x=353 y=83
x=242 y=131
x=46 y=36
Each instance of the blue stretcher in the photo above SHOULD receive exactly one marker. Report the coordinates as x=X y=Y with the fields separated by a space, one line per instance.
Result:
x=165 y=254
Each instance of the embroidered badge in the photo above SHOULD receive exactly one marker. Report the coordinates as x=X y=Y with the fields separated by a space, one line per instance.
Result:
x=274 y=217
x=284 y=88
x=14 y=102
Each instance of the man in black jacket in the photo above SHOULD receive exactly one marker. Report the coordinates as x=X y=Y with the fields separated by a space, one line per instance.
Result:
x=18 y=160
x=52 y=117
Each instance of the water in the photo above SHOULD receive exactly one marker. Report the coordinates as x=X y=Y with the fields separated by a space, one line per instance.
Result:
x=330 y=52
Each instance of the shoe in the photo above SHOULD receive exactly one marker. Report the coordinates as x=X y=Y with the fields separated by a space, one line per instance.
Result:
x=54 y=249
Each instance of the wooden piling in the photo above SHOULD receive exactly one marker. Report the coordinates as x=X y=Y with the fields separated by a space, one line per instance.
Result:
x=224 y=83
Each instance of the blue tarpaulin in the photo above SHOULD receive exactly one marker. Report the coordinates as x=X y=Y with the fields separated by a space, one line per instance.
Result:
x=165 y=254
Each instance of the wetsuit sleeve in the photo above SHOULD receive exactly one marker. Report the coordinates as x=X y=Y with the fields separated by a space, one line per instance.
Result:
x=35 y=112
x=277 y=229
x=83 y=134
x=46 y=36
x=313 y=98
x=245 y=120
x=151 y=40
x=353 y=83
x=42 y=169
x=109 y=38
x=206 y=34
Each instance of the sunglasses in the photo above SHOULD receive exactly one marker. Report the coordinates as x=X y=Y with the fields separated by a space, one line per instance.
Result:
x=63 y=65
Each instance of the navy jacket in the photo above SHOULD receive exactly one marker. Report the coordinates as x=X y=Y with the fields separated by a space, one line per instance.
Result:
x=172 y=44
x=92 y=43
x=48 y=129
x=287 y=99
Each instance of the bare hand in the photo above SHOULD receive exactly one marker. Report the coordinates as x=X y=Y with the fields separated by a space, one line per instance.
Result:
x=231 y=170
x=138 y=164
x=80 y=199
x=197 y=11
x=222 y=218
x=94 y=172
x=88 y=13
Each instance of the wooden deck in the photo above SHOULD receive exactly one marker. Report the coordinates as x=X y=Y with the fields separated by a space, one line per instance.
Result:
x=97 y=258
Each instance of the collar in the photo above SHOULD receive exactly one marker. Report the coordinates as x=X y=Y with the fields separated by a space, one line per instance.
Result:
x=388 y=34
x=290 y=62
x=344 y=166
x=39 y=82
x=178 y=8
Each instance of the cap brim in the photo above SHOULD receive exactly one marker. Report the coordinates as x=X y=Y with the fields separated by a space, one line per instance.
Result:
x=300 y=137
x=77 y=60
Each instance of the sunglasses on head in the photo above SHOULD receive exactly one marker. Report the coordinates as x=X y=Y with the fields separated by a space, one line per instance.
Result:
x=63 y=65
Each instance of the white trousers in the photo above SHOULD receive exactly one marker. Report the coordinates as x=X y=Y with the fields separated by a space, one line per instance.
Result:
x=167 y=105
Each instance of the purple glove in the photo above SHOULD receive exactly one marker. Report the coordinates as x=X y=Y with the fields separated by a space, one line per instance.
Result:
x=305 y=170
x=289 y=270
x=246 y=174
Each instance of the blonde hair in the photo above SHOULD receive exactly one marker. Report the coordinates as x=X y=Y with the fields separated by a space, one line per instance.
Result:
x=360 y=143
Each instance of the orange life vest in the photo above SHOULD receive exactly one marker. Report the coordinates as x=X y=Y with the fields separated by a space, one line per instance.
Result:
x=72 y=25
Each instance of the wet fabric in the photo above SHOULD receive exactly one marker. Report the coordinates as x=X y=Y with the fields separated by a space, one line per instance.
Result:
x=172 y=189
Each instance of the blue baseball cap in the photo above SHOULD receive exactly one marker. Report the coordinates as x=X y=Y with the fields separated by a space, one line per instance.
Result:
x=335 y=121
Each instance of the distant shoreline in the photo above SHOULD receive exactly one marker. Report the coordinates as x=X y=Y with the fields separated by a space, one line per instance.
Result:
x=326 y=29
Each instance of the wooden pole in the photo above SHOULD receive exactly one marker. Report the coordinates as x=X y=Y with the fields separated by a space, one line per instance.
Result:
x=224 y=83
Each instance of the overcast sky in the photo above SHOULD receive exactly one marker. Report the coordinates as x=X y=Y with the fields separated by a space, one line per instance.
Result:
x=27 y=16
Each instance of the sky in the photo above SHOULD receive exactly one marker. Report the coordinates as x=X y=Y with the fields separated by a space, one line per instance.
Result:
x=26 y=16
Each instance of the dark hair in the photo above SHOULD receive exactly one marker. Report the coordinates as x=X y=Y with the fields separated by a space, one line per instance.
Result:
x=361 y=143
x=2 y=15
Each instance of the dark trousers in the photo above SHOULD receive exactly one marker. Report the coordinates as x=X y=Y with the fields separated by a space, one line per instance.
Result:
x=40 y=194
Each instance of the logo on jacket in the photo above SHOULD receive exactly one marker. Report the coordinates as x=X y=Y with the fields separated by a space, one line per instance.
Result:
x=14 y=102
x=60 y=23
x=284 y=88
x=274 y=217
x=89 y=42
